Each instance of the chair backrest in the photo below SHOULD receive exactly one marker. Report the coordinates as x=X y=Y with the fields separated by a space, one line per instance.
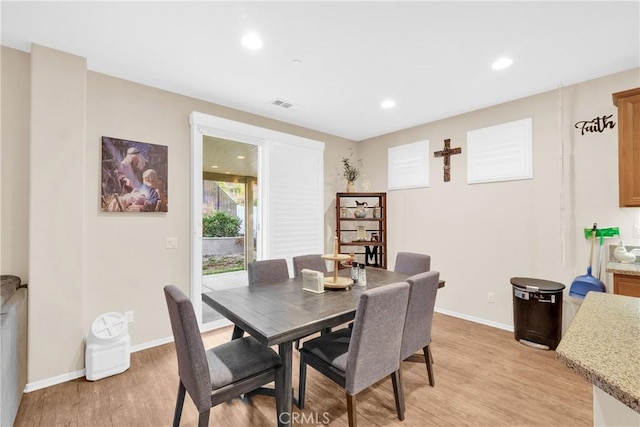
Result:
x=411 y=263
x=422 y=301
x=192 y=360
x=374 y=348
x=267 y=271
x=311 y=262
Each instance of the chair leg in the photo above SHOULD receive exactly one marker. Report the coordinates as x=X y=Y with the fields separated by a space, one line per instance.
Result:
x=179 y=403
x=398 y=393
x=351 y=410
x=428 y=360
x=203 y=419
x=302 y=381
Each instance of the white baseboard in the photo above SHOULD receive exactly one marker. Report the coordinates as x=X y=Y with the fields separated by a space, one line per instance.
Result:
x=474 y=319
x=217 y=324
x=48 y=382
x=151 y=344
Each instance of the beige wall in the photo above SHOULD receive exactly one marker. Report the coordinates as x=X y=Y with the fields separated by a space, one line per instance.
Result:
x=14 y=170
x=99 y=262
x=56 y=211
x=481 y=235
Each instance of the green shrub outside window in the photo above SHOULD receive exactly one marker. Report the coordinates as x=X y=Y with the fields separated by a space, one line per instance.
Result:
x=220 y=224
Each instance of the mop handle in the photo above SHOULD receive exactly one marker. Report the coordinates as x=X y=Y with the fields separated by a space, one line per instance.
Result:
x=593 y=239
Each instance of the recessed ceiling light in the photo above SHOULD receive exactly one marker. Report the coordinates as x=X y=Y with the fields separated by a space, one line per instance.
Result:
x=296 y=61
x=388 y=103
x=252 y=41
x=214 y=166
x=502 y=63
x=240 y=157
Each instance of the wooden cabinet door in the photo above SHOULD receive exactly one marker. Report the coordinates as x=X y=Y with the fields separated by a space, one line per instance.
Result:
x=626 y=285
x=628 y=103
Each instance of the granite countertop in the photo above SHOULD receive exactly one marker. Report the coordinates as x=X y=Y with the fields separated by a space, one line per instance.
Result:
x=602 y=344
x=620 y=268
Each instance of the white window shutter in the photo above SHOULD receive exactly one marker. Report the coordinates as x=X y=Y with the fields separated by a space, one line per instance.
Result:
x=294 y=220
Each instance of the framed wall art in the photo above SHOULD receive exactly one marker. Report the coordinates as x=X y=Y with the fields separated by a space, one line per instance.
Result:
x=134 y=176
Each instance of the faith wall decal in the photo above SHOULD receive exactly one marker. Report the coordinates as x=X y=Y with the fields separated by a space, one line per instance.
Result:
x=599 y=124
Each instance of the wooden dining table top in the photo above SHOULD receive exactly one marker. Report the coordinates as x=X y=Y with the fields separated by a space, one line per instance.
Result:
x=283 y=311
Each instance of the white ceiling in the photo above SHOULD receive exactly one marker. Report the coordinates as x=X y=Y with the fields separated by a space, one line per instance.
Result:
x=433 y=58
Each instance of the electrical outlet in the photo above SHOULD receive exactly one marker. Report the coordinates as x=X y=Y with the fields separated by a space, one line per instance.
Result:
x=171 y=243
x=129 y=316
x=636 y=231
x=491 y=297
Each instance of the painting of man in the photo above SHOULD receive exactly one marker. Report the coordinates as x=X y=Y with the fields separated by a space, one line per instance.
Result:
x=134 y=176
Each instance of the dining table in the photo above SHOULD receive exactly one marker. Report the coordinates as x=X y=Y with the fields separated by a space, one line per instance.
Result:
x=281 y=313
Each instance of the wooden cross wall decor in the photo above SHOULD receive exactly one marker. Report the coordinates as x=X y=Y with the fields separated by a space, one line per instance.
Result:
x=446 y=154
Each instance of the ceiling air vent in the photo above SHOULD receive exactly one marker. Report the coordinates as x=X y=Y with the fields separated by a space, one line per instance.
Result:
x=282 y=104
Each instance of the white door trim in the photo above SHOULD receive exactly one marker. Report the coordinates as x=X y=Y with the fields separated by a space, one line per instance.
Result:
x=204 y=124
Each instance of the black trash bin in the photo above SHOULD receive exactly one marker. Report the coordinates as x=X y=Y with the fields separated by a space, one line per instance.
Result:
x=537 y=312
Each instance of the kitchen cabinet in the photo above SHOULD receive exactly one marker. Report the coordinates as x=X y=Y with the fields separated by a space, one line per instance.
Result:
x=626 y=285
x=365 y=237
x=628 y=103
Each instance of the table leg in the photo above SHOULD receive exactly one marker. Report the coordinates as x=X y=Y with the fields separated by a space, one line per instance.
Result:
x=285 y=403
x=237 y=333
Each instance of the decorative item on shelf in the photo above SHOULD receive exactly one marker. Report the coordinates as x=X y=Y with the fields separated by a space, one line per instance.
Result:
x=361 y=233
x=361 y=209
x=351 y=171
x=371 y=253
x=344 y=213
x=377 y=212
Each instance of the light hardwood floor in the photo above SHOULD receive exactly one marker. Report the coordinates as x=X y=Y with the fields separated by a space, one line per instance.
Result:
x=483 y=378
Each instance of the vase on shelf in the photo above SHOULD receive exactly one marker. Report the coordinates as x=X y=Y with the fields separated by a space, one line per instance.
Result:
x=351 y=186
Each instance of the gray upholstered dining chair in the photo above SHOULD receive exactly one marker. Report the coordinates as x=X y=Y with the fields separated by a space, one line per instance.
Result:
x=357 y=358
x=267 y=271
x=417 y=328
x=220 y=373
x=311 y=262
x=264 y=272
x=412 y=263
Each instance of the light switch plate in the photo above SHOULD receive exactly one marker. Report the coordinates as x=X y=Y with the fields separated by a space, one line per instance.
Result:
x=172 y=243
